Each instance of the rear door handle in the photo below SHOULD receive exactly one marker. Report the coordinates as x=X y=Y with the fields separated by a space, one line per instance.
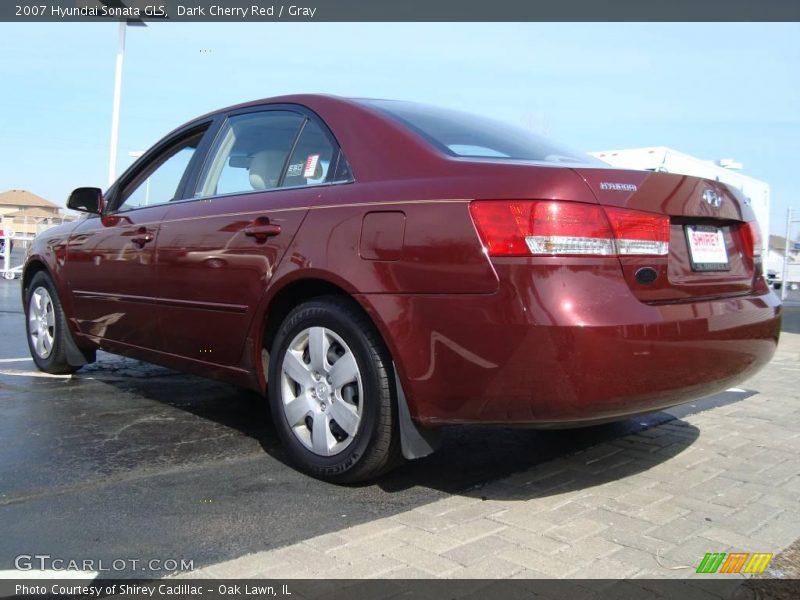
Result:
x=261 y=229
x=142 y=237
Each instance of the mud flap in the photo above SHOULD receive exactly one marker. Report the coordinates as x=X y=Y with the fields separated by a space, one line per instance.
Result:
x=74 y=355
x=414 y=442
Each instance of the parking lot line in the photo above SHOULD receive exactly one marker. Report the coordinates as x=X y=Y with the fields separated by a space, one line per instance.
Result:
x=19 y=373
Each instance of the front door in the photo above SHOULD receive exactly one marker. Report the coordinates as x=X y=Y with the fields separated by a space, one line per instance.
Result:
x=110 y=262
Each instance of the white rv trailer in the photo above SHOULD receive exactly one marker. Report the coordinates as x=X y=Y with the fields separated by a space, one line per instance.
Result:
x=661 y=158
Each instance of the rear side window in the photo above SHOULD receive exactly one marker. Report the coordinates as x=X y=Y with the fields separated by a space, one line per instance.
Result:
x=461 y=134
x=312 y=158
x=343 y=170
x=250 y=153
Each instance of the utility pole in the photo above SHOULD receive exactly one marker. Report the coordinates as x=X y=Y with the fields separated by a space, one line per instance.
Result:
x=112 y=159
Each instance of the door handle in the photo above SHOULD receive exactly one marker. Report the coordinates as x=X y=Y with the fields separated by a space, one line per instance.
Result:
x=142 y=237
x=261 y=229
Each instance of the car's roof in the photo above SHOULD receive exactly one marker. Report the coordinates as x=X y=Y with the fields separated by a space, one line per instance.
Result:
x=308 y=100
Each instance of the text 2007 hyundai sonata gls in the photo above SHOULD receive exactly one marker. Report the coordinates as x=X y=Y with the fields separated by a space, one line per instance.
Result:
x=382 y=268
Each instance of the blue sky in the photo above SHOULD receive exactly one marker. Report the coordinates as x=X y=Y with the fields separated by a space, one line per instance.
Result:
x=712 y=90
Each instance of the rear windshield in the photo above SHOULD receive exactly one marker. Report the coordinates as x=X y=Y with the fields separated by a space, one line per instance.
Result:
x=461 y=134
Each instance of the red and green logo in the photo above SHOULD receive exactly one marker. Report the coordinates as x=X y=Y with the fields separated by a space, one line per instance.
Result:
x=735 y=562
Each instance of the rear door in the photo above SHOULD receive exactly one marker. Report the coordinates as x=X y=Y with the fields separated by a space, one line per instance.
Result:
x=218 y=250
x=110 y=264
x=712 y=250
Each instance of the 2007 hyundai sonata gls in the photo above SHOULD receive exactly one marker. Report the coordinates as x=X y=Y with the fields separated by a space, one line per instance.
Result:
x=382 y=268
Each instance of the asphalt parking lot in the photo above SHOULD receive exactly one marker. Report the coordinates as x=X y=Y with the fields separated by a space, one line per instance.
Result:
x=133 y=461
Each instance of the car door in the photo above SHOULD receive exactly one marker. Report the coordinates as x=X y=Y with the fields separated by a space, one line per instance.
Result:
x=110 y=263
x=218 y=250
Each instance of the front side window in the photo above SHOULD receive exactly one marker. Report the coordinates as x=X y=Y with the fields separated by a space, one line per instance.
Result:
x=160 y=181
x=251 y=153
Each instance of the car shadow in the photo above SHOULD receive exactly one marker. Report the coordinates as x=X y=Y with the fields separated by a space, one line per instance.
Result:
x=472 y=457
x=478 y=462
x=546 y=462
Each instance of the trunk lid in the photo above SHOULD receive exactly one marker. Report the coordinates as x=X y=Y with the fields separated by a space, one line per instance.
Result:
x=709 y=212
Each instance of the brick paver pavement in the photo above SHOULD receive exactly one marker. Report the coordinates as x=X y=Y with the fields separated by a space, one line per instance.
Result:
x=650 y=504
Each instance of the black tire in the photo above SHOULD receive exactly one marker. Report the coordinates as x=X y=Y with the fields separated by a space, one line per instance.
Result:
x=56 y=360
x=375 y=445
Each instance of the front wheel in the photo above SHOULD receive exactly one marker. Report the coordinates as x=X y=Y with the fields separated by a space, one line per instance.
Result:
x=46 y=326
x=332 y=393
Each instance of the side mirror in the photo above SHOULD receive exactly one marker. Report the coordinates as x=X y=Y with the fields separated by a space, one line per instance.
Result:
x=86 y=199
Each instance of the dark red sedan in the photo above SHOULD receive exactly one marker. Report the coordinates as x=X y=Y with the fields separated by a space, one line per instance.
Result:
x=382 y=268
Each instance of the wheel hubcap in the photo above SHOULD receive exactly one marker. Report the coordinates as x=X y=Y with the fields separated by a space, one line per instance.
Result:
x=321 y=391
x=41 y=322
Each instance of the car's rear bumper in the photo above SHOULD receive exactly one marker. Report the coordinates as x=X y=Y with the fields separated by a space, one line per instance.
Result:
x=568 y=345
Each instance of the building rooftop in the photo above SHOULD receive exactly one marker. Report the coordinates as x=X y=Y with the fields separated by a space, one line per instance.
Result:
x=25 y=198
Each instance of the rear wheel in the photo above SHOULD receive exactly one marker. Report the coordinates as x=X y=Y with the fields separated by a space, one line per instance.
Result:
x=331 y=392
x=46 y=326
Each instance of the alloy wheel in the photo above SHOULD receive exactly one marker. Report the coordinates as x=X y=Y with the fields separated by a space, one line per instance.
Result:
x=321 y=391
x=41 y=322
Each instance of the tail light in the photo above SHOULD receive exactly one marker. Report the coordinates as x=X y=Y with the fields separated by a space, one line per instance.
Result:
x=751 y=239
x=639 y=232
x=551 y=228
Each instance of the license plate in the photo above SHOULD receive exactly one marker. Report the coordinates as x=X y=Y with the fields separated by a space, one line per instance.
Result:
x=707 y=248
